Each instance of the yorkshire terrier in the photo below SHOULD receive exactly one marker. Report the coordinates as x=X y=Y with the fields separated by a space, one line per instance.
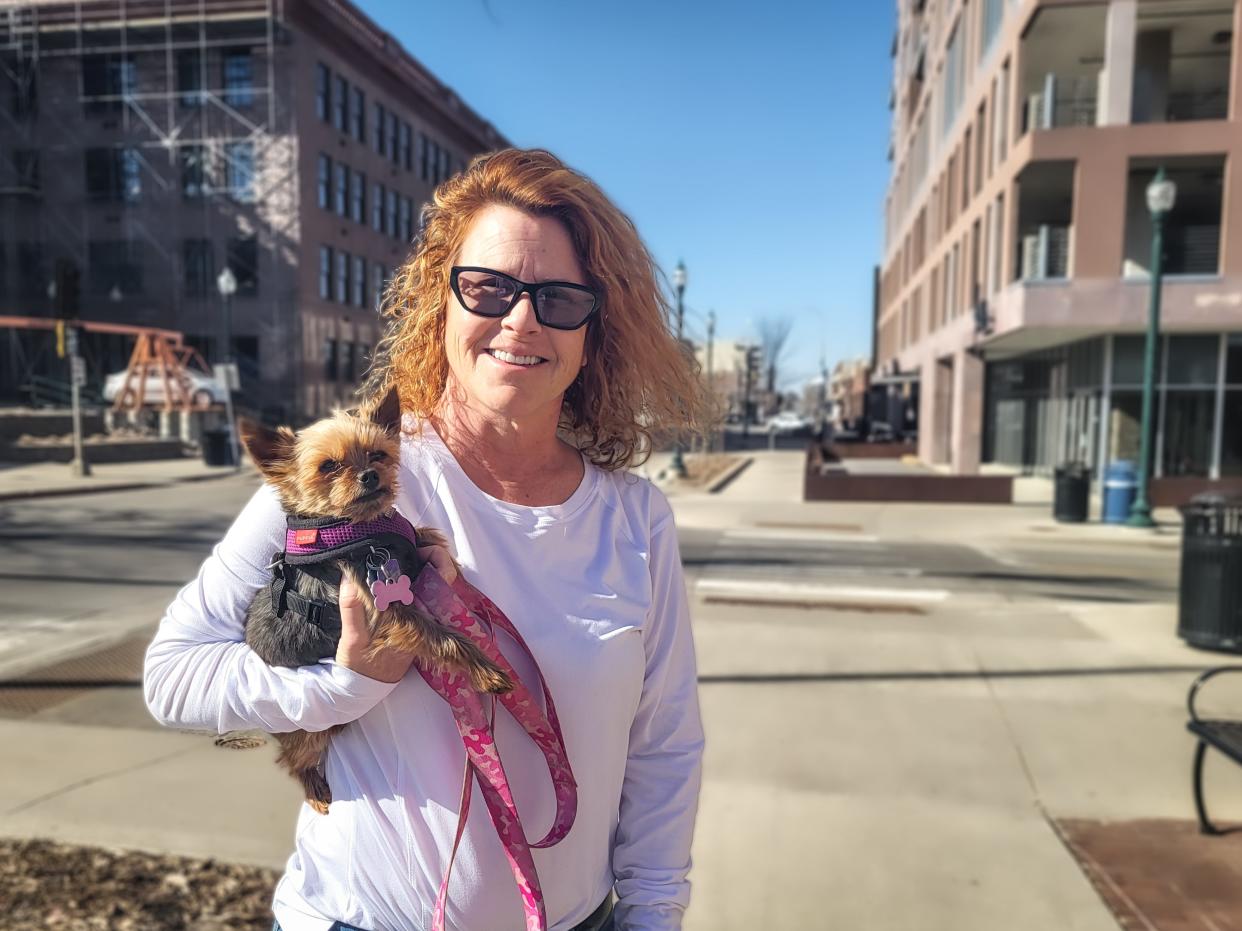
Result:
x=345 y=466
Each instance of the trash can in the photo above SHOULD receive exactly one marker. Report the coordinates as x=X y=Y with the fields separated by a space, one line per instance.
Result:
x=1071 y=492
x=1209 y=608
x=1120 y=489
x=217 y=447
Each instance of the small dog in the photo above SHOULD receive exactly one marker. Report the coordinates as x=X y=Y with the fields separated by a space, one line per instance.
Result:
x=345 y=466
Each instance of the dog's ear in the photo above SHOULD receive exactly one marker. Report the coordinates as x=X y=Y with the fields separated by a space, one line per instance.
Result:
x=387 y=412
x=271 y=450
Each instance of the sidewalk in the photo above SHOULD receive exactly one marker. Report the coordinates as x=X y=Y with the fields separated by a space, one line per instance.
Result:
x=49 y=479
x=768 y=494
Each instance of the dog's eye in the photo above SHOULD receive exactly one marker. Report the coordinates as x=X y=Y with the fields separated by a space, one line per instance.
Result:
x=328 y=465
x=378 y=456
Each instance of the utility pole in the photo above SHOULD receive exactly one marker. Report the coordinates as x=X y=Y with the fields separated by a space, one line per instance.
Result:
x=678 y=464
x=711 y=385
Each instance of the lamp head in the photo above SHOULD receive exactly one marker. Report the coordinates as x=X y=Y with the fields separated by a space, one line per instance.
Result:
x=1161 y=194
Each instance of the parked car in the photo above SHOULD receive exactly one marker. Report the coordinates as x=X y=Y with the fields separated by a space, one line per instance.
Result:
x=204 y=389
x=789 y=423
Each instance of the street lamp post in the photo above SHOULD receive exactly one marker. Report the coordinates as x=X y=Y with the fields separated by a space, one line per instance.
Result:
x=226 y=282
x=1161 y=195
x=679 y=282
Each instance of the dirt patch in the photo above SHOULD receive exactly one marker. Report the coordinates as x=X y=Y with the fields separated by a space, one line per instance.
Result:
x=71 y=888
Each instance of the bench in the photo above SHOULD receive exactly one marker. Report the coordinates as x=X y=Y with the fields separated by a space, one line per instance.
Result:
x=1222 y=734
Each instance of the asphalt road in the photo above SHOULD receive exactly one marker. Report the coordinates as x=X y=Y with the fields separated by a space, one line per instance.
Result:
x=79 y=570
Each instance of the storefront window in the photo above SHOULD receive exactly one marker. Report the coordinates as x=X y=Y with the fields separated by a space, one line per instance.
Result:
x=1188 y=433
x=1193 y=360
x=1231 y=438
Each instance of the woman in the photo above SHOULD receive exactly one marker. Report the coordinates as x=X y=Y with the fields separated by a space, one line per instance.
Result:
x=524 y=405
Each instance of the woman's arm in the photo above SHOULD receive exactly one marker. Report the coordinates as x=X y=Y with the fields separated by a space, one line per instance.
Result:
x=200 y=674
x=660 y=794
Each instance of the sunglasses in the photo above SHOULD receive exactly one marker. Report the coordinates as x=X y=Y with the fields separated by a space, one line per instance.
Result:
x=561 y=305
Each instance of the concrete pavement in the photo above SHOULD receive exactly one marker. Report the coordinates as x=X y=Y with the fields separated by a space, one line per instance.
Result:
x=865 y=769
x=54 y=479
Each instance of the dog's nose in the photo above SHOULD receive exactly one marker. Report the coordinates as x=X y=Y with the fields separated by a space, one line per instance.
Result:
x=369 y=479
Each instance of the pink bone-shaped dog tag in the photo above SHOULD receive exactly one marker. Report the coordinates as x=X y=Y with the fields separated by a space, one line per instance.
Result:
x=385 y=592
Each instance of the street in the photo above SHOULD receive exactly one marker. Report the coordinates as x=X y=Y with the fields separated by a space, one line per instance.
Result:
x=87 y=569
x=901 y=704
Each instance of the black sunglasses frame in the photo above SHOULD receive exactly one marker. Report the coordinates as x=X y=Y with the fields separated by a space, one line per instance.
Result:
x=523 y=287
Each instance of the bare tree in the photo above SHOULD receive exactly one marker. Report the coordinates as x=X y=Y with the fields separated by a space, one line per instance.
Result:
x=773 y=334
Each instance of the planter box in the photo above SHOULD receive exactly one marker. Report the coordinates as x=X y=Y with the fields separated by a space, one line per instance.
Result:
x=824 y=481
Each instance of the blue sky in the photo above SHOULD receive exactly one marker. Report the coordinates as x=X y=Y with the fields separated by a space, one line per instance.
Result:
x=746 y=138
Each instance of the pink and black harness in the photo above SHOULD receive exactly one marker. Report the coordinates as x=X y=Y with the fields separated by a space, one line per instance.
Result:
x=463 y=608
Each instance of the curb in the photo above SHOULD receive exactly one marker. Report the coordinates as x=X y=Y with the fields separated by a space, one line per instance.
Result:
x=69 y=491
x=724 y=480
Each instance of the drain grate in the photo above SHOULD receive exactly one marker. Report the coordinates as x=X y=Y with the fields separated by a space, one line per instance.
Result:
x=117 y=666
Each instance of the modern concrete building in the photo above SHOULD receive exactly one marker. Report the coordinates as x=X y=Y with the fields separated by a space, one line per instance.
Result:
x=152 y=143
x=1015 y=277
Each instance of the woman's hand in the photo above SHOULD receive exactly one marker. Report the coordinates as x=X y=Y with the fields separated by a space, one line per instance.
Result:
x=353 y=649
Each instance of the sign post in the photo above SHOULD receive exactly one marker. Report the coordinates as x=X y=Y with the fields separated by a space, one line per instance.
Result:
x=77 y=378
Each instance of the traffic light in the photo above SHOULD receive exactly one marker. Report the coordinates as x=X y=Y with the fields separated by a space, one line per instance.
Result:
x=68 y=289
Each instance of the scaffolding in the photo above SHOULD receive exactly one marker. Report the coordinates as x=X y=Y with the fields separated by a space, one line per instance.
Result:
x=149 y=79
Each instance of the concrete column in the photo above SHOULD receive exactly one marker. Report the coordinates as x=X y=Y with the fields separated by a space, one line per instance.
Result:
x=967 y=451
x=1100 y=181
x=1235 y=81
x=1117 y=76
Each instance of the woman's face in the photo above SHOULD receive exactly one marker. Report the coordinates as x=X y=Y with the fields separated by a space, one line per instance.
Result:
x=531 y=249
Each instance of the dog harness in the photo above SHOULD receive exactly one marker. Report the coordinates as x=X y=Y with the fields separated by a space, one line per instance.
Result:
x=462 y=608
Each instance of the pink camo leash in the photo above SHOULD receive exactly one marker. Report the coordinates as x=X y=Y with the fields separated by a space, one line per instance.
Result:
x=470 y=612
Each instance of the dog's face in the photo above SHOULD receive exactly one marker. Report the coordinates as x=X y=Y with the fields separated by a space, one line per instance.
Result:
x=341 y=466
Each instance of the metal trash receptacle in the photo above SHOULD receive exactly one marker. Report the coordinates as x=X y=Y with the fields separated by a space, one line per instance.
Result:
x=1120 y=490
x=1209 y=603
x=217 y=447
x=1071 y=492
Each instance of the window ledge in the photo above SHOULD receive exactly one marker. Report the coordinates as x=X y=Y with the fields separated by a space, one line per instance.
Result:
x=1174 y=278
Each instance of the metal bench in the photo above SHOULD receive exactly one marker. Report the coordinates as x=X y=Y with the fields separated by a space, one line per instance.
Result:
x=1223 y=734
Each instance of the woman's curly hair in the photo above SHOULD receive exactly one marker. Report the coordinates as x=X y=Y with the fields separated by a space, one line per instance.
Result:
x=638 y=380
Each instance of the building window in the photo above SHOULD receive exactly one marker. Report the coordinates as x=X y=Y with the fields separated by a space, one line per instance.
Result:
x=242 y=256
x=392 y=138
x=407 y=219
x=329 y=359
x=377 y=207
x=198 y=267
x=340 y=103
x=23 y=95
x=954 y=79
x=323 y=91
x=32 y=275
x=390 y=225
x=342 y=277
x=424 y=157
x=407 y=147
x=347 y=361
x=26 y=167
x=239 y=170
x=325 y=181
x=358 y=281
x=377 y=285
x=380 y=146
x=238 y=78
x=358 y=198
x=195 y=177
x=342 y=189
x=325 y=272
x=107 y=82
x=358 y=114
x=111 y=265
x=113 y=175
x=190 y=78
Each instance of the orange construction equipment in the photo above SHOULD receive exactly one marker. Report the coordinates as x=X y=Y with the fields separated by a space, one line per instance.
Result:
x=158 y=355
x=155 y=356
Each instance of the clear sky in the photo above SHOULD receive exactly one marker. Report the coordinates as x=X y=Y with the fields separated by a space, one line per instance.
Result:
x=746 y=138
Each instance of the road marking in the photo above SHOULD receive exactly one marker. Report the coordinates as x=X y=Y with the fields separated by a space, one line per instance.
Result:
x=809 y=593
x=802 y=536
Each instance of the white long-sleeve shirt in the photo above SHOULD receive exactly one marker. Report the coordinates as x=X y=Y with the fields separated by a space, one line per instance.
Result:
x=595 y=586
